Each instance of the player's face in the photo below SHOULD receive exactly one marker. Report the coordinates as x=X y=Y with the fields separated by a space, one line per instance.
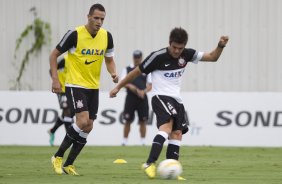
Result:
x=175 y=49
x=137 y=60
x=95 y=21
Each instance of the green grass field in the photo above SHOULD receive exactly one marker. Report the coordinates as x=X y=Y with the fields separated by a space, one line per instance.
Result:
x=202 y=165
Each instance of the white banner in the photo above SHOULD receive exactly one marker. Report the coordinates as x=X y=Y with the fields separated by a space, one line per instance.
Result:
x=216 y=119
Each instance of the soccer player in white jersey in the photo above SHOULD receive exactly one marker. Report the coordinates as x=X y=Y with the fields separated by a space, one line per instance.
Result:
x=167 y=66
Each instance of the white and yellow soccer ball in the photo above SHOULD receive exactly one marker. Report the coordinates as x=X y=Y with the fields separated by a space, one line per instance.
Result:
x=169 y=169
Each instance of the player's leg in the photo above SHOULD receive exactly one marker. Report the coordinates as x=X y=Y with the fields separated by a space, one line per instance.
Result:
x=158 y=141
x=68 y=120
x=83 y=126
x=142 y=130
x=164 y=123
x=156 y=148
x=180 y=127
x=143 y=115
x=79 y=131
x=174 y=145
x=77 y=103
x=57 y=124
x=126 y=130
x=52 y=131
x=128 y=116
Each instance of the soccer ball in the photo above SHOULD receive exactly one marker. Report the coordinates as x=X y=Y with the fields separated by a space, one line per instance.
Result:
x=169 y=169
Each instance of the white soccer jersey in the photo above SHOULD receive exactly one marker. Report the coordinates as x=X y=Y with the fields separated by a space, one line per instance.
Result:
x=166 y=71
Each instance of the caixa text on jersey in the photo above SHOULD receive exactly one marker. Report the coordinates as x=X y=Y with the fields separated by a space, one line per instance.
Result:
x=28 y=115
x=98 y=52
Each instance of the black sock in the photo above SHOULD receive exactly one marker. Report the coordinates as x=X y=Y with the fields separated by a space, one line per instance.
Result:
x=74 y=152
x=156 y=147
x=64 y=146
x=58 y=123
x=70 y=138
x=172 y=151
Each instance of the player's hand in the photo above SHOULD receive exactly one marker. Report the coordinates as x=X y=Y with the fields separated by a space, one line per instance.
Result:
x=141 y=93
x=115 y=78
x=114 y=92
x=223 y=41
x=56 y=86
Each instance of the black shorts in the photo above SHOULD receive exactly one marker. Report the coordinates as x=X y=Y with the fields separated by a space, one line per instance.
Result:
x=62 y=98
x=80 y=99
x=134 y=103
x=165 y=108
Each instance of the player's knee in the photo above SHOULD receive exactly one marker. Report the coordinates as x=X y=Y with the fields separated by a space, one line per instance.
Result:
x=82 y=123
x=128 y=123
x=177 y=135
x=88 y=129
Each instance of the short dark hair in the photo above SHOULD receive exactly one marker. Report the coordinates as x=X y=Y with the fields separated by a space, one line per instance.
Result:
x=96 y=6
x=178 y=35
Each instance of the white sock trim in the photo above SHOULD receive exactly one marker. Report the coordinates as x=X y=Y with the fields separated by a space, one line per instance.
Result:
x=76 y=128
x=174 y=142
x=68 y=119
x=83 y=134
x=163 y=134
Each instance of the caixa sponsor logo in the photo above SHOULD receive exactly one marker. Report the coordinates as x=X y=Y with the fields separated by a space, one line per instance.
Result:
x=248 y=119
x=27 y=115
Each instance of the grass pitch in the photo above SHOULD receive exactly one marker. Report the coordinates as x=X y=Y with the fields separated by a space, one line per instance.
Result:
x=202 y=165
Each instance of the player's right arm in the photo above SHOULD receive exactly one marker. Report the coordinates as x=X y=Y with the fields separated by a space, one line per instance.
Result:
x=56 y=86
x=129 y=77
x=129 y=86
x=68 y=42
x=147 y=66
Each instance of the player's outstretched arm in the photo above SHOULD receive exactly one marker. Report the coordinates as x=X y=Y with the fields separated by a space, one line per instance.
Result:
x=129 y=77
x=56 y=85
x=215 y=54
x=111 y=67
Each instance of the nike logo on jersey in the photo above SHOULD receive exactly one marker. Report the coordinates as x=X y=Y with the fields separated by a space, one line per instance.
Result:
x=184 y=124
x=89 y=62
x=166 y=65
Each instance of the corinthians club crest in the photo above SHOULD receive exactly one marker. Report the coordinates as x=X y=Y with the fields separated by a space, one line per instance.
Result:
x=181 y=62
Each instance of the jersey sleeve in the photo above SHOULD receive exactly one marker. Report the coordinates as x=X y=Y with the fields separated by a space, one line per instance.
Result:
x=110 y=48
x=149 y=64
x=149 y=79
x=68 y=41
x=194 y=56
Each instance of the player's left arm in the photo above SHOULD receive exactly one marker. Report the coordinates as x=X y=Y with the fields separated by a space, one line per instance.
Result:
x=109 y=58
x=215 y=54
x=111 y=67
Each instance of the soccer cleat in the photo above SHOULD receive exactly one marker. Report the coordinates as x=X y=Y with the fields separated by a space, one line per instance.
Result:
x=70 y=169
x=52 y=138
x=150 y=170
x=57 y=164
x=180 y=178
